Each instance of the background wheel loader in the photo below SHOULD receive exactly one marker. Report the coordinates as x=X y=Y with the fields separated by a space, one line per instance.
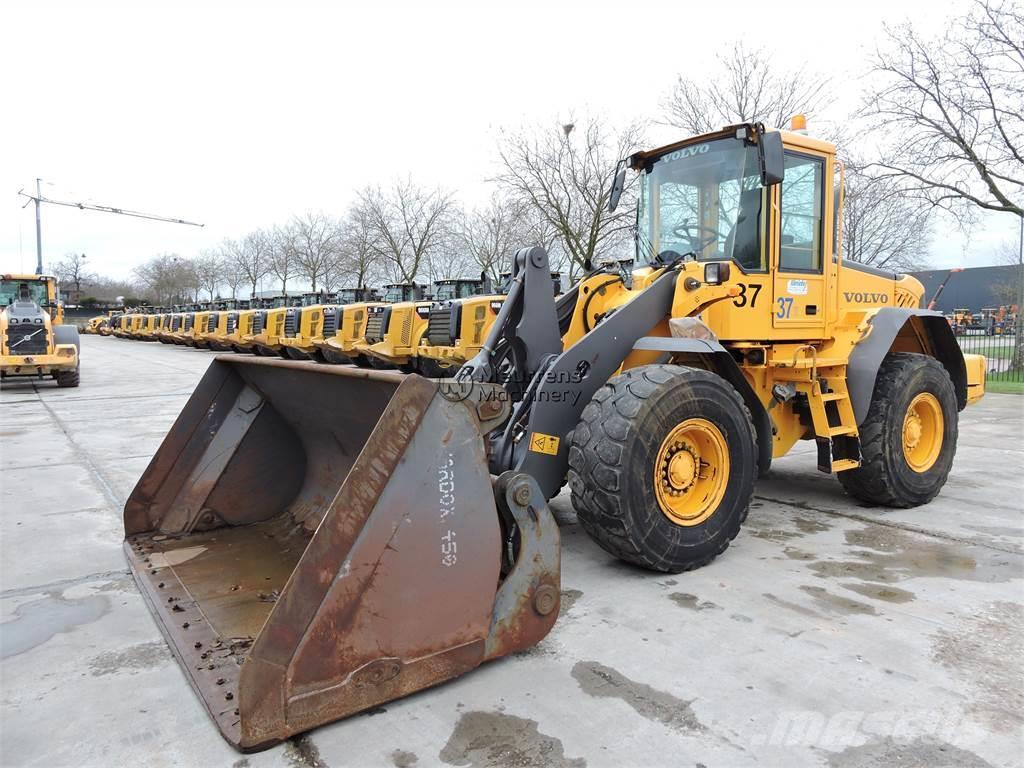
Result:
x=311 y=556
x=350 y=328
x=460 y=320
x=268 y=326
x=393 y=331
x=305 y=324
x=34 y=343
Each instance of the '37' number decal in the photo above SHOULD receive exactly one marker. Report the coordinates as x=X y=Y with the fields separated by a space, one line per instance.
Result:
x=743 y=298
x=785 y=306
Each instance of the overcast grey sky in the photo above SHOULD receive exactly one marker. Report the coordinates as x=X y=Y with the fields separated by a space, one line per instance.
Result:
x=241 y=114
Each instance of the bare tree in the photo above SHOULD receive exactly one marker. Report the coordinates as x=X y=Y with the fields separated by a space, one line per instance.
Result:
x=169 y=278
x=406 y=225
x=282 y=256
x=880 y=226
x=564 y=175
x=493 y=232
x=747 y=87
x=356 y=245
x=252 y=256
x=955 y=110
x=72 y=269
x=233 y=272
x=314 y=238
x=209 y=270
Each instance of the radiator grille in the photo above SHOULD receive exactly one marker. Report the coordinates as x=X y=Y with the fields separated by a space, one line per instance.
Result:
x=330 y=322
x=259 y=322
x=291 y=322
x=232 y=325
x=376 y=324
x=30 y=338
x=440 y=329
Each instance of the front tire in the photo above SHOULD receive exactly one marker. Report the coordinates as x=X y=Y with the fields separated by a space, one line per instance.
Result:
x=662 y=466
x=908 y=439
x=67 y=378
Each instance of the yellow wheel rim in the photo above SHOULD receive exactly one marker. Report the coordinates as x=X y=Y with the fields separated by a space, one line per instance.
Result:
x=922 y=432
x=691 y=472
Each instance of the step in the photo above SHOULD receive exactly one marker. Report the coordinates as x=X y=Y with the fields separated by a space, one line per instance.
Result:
x=828 y=397
x=836 y=431
x=839 y=465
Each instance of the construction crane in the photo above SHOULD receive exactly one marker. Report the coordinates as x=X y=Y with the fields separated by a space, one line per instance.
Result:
x=39 y=199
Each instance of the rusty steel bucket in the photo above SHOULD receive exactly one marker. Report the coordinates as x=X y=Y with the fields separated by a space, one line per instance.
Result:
x=314 y=541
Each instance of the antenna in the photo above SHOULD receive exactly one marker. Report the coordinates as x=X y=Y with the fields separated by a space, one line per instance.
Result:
x=39 y=199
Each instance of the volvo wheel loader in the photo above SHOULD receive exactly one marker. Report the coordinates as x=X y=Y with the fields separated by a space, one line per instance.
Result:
x=459 y=322
x=308 y=557
x=268 y=326
x=306 y=325
x=34 y=343
x=226 y=334
x=349 y=328
x=393 y=331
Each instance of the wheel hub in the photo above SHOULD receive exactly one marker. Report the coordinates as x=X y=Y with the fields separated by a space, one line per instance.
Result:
x=922 y=432
x=691 y=472
x=682 y=468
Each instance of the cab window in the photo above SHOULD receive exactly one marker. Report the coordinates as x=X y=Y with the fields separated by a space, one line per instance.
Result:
x=801 y=214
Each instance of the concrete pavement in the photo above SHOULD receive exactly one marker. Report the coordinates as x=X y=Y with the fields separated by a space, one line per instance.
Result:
x=829 y=634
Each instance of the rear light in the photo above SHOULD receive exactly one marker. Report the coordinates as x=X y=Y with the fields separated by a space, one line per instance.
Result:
x=66 y=352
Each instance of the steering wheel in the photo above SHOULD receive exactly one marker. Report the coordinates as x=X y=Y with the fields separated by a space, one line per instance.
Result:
x=687 y=230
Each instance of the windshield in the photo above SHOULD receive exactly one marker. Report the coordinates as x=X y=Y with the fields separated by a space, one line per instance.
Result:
x=9 y=291
x=348 y=295
x=310 y=299
x=446 y=291
x=703 y=200
x=394 y=293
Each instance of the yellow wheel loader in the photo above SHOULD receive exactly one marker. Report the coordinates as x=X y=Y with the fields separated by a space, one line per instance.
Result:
x=218 y=324
x=33 y=341
x=348 y=323
x=393 y=331
x=308 y=557
x=240 y=324
x=201 y=326
x=228 y=328
x=96 y=324
x=459 y=322
x=112 y=321
x=268 y=327
x=149 y=324
x=304 y=325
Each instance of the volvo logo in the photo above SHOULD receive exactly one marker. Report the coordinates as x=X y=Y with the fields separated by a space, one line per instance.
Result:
x=862 y=297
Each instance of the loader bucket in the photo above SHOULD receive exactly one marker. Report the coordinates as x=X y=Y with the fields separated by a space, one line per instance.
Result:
x=314 y=541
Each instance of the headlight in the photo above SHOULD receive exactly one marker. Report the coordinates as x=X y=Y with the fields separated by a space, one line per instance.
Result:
x=716 y=272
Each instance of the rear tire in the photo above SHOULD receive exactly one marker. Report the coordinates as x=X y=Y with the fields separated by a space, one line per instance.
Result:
x=885 y=476
x=67 y=378
x=293 y=354
x=617 y=445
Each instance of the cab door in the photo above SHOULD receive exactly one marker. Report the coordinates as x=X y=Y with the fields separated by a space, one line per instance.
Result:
x=799 y=301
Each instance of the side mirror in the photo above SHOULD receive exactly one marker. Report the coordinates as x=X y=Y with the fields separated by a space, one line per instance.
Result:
x=773 y=162
x=618 y=184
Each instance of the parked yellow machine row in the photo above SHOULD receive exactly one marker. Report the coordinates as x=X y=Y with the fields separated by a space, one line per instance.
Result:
x=400 y=327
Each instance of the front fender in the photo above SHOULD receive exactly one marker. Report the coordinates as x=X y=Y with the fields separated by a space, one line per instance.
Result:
x=716 y=358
